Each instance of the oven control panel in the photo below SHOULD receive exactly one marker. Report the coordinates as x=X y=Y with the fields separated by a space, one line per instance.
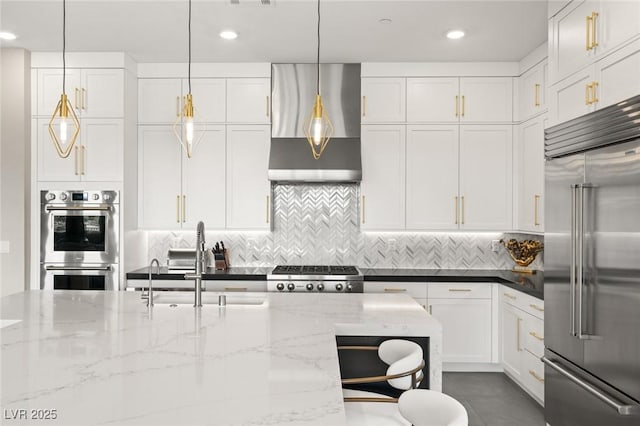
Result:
x=316 y=286
x=79 y=197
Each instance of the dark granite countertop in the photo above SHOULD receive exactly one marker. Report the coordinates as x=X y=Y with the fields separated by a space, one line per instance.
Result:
x=526 y=283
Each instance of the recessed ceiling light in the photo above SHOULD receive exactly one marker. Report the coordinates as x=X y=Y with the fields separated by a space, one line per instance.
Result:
x=7 y=36
x=229 y=35
x=385 y=21
x=455 y=34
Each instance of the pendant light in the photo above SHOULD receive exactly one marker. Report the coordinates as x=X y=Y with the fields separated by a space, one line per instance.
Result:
x=64 y=126
x=184 y=126
x=318 y=128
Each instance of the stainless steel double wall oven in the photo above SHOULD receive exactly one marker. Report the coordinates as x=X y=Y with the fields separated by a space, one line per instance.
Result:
x=79 y=246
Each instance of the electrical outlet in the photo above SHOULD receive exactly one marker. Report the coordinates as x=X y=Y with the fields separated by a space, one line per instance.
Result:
x=495 y=244
x=391 y=244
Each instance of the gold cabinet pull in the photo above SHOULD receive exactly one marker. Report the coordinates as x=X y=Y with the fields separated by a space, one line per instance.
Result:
x=82 y=98
x=510 y=296
x=83 y=157
x=267 y=105
x=457 y=106
x=536 y=95
x=456 y=209
x=75 y=161
x=177 y=106
x=363 y=208
x=588 y=32
x=536 y=307
x=364 y=106
x=236 y=289
x=536 y=336
x=394 y=290
x=536 y=199
x=184 y=208
x=594 y=41
x=430 y=309
x=462 y=111
x=267 y=209
x=459 y=289
x=518 y=321
x=462 y=207
x=535 y=376
x=75 y=98
x=594 y=87
x=178 y=208
x=587 y=94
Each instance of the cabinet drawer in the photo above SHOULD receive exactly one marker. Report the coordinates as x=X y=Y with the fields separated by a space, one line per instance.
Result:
x=534 y=338
x=529 y=304
x=459 y=290
x=237 y=286
x=533 y=375
x=416 y=290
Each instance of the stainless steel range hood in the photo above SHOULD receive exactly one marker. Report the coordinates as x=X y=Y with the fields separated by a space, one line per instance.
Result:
x=293 y=94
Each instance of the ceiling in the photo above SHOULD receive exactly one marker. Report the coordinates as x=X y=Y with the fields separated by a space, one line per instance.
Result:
x=284 y=31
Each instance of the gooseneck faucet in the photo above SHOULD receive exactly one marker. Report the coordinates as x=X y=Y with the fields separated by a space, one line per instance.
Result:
x=150 y=291
x=197 y=277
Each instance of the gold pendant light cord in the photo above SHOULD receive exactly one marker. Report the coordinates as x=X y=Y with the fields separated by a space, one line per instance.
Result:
x=189 y=72
x=318 y=57
x=64 y=44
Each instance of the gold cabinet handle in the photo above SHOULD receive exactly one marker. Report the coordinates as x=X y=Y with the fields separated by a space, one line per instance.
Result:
x=462 y=207
x=536 y=95
x=594 y=41
x=178 y=208
x=267 y=209
x=457 y=106
x=510 y=296
x=536 y=199
x=364 y=106
x=459 y=289
x=462 y=112
x=536 y=335
x=363 y=208
x=587 y=94
x=236 y=289
x=535 y=376
x=536 y=307
x=75 y=98
x=394 y=290
x=518 y=321
x=430 y=309
x=82 y=99
x=456 y=209
x=75 y=161
x=589 y=19
x=83 y=155
x=594 y=87
x=184 y=208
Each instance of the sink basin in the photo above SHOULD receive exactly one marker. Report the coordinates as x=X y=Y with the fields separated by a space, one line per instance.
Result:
x=212 y=298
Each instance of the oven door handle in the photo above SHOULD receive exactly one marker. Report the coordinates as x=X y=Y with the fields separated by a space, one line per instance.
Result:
x=77 y=208
x=77 y=268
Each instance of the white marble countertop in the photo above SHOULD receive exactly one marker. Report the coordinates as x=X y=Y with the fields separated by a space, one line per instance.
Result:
x=98 y=358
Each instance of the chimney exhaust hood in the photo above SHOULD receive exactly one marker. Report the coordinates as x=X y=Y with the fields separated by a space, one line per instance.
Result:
x=293 y=94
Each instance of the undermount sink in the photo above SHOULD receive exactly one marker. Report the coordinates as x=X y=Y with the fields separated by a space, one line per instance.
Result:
x=185 y=298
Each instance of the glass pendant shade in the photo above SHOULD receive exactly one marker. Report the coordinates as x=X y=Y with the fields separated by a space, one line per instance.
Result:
x=318 y=128
x=185 y=127
x=64 y=127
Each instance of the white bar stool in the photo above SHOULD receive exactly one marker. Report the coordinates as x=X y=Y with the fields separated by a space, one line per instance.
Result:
x=423 y=407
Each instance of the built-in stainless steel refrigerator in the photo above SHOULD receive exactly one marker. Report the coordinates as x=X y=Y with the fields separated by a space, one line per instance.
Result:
x=592 y=269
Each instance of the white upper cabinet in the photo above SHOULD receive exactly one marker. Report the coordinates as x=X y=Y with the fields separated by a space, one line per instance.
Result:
x=248 y=202
x=209 y=98
x=432 y=177
x=248 y=100
x=93 y=92
x=465 y=100
x=617 y=22
x=618 y=76
x=383 y=177
x=383 y=100
x=572 y=97
x=486 y=99
x=531 y=175
x=486 y=177
x=433 y=99
x=532 y=92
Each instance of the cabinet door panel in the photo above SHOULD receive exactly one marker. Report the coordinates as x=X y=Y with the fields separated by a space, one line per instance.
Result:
x=531 y=91
x=417 y=290
x=486 y=99
x=383 y=177
x=203 y=181
x=569 y=98
x=102 y=140
x=512 y=339
x=568 y=51
x=248 y=100
x=618 y=75
x=531 y=185
x=485 y=177
x=619 y=21
x=102 y=93
x=247 y=183
x=209 y=98
x=432 y=177
x=50 y=166
x=466 y=328
x=159 y=178
x=432 y=100
x=50 y=88
x=383 y=100
x=159 y=100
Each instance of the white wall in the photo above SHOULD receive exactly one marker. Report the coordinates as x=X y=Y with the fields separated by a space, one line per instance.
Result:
x=15 y=154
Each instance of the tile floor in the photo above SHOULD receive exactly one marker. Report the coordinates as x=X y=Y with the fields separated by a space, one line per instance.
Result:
x=492 y=399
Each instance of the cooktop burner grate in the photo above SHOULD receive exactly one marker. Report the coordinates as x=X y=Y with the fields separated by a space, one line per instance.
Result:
x=315 y=270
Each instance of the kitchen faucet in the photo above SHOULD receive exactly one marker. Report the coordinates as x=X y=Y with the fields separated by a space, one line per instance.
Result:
x=197 y=277
x=149 y=295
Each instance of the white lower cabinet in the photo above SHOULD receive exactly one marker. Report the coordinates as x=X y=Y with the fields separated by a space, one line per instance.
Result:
x=522 y=332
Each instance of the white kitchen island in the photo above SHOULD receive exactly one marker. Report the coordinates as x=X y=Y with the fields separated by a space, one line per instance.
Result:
x=99 y=358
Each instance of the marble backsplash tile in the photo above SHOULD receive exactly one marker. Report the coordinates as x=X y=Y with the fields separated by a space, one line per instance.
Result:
x=318 y=224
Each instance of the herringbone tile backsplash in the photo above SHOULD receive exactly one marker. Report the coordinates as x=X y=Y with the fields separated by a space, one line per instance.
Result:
x=319 y=224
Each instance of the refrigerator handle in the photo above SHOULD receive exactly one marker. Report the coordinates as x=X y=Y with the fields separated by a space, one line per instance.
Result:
x=622 y=409
x=572 y=268
x=580 y=264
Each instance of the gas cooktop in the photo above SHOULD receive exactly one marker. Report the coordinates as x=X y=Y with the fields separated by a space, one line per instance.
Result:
x=315 y=270
x=315 y=278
